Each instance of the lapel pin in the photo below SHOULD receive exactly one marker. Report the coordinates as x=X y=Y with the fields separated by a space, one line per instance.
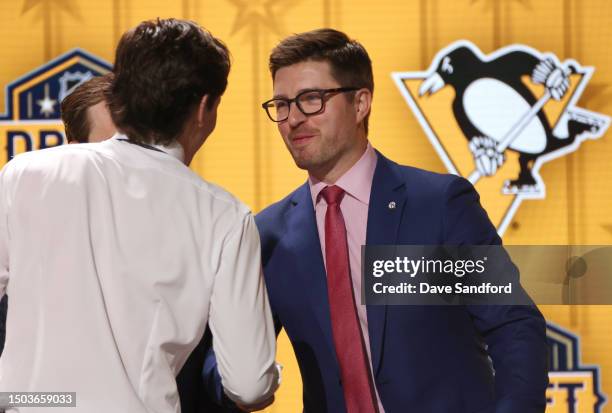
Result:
x=392 y=205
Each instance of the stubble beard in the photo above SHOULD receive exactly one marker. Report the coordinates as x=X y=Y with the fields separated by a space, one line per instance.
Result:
x=316 y=163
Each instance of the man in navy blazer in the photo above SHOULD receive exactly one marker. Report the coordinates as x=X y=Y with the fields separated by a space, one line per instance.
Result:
x=395 y=359
x=424 y=358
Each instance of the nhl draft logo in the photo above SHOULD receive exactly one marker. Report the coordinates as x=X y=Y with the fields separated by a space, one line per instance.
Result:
x=32 y=119
x=495 y=119
x=572 y=388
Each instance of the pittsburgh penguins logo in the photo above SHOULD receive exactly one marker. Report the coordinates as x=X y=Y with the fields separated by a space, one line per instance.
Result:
x=496 y=119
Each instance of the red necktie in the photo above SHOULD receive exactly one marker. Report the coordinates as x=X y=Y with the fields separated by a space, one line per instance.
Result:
x=348 y=341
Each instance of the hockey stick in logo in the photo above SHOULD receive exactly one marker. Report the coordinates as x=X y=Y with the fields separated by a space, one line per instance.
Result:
x=515 y=131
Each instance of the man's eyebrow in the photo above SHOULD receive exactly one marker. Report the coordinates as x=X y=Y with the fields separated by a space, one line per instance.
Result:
x=309 y=89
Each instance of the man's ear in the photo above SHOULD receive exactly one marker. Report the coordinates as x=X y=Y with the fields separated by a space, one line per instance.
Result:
x=203 y=108
x=363 y=102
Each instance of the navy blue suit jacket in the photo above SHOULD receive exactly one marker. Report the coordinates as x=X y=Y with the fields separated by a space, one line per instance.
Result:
x=424 y=358
x=190 y=381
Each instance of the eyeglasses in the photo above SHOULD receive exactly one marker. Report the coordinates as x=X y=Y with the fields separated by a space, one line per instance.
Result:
x=309 y=102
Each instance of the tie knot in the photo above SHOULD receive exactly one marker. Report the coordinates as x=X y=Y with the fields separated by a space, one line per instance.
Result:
x=332 y=194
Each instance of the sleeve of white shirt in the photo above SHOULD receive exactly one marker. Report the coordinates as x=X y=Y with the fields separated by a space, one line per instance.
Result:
x=240 y=319
x=4 y=264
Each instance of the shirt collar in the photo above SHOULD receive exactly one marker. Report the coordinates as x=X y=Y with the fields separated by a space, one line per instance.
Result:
x=356 y=182
x=174 y=149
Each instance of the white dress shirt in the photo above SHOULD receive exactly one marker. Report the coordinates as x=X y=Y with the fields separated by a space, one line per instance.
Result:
x=115 y=256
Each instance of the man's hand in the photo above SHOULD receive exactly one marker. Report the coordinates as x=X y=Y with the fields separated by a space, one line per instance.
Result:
x=486 y=157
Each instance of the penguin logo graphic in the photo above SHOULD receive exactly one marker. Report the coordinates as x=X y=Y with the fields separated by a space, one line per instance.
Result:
x=495 y=119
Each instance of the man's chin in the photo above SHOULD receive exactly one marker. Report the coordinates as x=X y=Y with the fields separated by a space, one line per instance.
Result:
x=305 y=164
x=313 y=168
x=302 y=164
x=308 y=161
x=302 y=160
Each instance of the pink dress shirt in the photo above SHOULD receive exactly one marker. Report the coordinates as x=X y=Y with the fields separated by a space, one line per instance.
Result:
x=357 y=185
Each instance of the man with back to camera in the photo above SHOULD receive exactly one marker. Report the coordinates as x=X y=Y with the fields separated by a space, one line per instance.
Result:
x=109 y=297
x=85 y=112
x=374 y=358
x=86 y=120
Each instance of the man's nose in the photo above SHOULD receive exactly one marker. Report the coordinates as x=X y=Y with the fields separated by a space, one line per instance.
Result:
x=296 y=117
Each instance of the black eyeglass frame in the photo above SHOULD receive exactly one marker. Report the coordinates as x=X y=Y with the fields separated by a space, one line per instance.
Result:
x=322 y=93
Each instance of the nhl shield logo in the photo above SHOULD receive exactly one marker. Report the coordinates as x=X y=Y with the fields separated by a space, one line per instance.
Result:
x=32 y=119
x=572 y=387
x=495 y=119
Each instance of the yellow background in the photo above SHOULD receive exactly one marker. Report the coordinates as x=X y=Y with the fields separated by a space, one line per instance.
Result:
x=246 y=155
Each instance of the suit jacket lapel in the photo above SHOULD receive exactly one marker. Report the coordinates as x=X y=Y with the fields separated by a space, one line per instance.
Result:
x=387 y=200
x=303 y=236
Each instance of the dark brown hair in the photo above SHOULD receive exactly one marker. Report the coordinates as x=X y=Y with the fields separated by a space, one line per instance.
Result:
x=74 y=107
x=162 y=70
x=349 y=61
